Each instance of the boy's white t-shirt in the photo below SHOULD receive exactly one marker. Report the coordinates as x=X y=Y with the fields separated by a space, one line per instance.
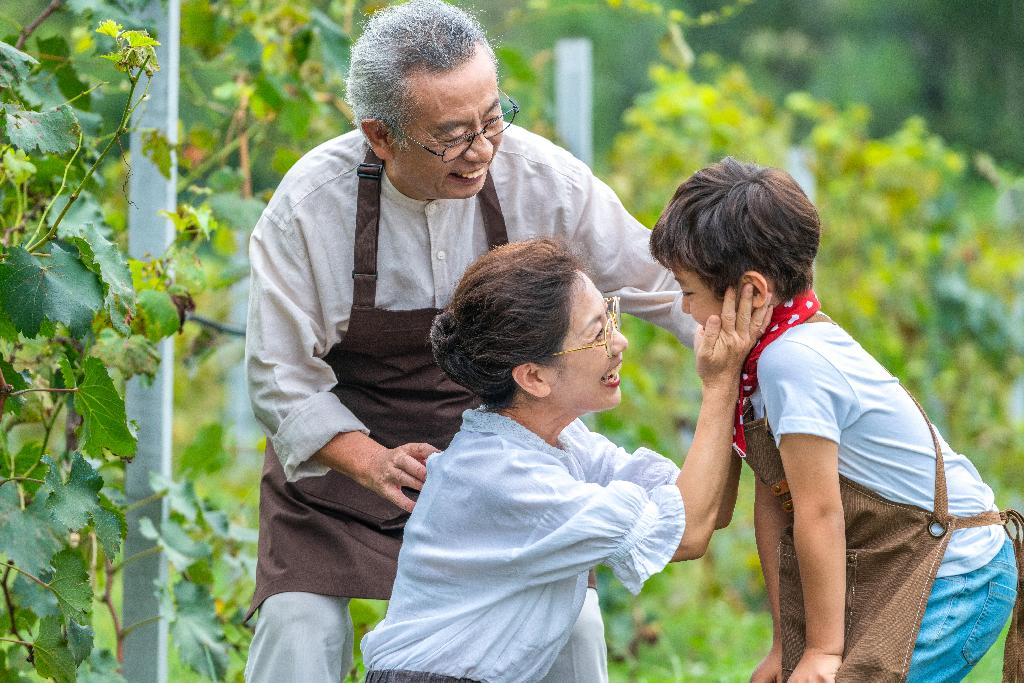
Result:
x=816 y=379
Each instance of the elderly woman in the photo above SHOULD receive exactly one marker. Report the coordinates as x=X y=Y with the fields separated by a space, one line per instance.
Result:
x=526 y=499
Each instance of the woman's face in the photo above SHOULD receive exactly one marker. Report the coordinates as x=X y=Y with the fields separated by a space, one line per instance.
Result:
x=588 y=380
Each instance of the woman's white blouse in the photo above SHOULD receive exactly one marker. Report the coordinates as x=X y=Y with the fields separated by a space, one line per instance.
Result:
x=493 y=569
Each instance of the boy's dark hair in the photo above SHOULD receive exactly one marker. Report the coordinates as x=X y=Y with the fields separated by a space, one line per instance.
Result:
x=732 y=217
x=513 y=305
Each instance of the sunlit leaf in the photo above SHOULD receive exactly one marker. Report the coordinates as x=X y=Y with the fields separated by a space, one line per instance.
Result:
x=109 y=28
x=104 y=423
x=56 y=287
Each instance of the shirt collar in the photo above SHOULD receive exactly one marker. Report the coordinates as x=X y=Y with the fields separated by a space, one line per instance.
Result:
x=482 y=420
x=394 y=195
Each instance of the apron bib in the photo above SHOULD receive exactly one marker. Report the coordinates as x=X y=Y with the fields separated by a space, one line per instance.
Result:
x=893 y=552
x=328 y=535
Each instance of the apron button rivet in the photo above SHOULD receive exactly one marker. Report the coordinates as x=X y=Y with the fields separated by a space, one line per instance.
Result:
x=937 y=529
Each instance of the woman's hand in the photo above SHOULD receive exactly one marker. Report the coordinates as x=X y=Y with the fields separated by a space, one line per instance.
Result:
x=770 y=668
x=724 y=341
x=816 y=667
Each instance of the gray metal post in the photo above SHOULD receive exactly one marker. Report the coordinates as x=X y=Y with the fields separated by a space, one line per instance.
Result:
x=574 y=96
x=150 y=404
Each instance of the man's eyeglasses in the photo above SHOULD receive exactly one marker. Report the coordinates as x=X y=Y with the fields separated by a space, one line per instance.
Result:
x=492 y=129
x=612 y=323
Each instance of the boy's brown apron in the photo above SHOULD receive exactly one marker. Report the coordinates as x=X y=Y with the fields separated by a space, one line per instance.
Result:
x=329 y=535
x=893 y=552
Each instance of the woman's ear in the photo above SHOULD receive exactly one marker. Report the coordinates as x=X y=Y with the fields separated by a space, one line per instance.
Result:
x=532 y=378
x=764 y=289
x=379 y=137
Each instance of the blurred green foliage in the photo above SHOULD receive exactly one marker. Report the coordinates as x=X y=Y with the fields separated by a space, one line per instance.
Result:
x=921 y=261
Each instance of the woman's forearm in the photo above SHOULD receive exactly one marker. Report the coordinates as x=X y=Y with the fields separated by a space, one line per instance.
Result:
x=820 y=539
x=705 y=472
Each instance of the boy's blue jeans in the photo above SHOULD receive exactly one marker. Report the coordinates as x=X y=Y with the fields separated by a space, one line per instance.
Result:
x=964 y=617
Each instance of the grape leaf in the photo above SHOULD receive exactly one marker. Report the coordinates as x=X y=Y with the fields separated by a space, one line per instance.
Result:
x=196 y=632
x=181 y=550
x=79 y=640
x=71 y=585
x=104 y=258
x=53 y=131
x=16 y=380
x=101 y=667
x=72 y=502
x=31 y=595
x=27 y=537
x=57 y=289
x=159 y=314
x=111 y=526
x=14 y=65
x=53 y=659
x=104 y=423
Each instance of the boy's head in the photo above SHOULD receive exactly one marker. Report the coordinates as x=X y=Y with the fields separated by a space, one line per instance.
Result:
x=734 y=222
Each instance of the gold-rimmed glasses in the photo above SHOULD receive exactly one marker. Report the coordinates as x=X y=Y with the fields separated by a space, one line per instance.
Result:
x=613 y=322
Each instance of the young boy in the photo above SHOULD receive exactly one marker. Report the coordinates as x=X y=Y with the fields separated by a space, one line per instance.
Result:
x=883 y=555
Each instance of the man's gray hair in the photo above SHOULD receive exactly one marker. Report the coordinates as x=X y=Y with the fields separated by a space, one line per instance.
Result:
x=421 y=35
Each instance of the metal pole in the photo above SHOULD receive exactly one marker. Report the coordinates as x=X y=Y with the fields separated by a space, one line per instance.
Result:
x=150 y=404
x=574 y=96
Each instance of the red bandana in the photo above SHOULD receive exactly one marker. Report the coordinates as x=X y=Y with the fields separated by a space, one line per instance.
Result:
x=784 y=317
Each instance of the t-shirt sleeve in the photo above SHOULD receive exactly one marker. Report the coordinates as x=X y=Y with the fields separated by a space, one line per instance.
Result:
x=803 y=392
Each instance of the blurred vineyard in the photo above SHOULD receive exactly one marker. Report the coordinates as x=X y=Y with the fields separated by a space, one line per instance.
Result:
x=922 y=261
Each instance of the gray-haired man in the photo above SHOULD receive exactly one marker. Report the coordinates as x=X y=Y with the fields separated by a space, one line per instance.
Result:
x=353 y=256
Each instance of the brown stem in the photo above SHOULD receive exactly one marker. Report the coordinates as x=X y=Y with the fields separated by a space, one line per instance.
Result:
x=108 y=600
x=28 y=30
x=9 y=602
x=5 y=391
x=49 y=389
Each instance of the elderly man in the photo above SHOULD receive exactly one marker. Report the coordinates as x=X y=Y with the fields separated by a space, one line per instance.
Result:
x=360 y=246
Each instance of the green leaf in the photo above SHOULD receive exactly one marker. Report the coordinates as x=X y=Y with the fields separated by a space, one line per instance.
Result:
x=73 y=502
x=196 y=632
x=181 y=549
x=55 y=57
x=57 y=288
x=31 y=595
x=104 y=258
x=67 y=372
x=180 y=494
x=111 y=526
x=157 y=149
x=53 y=658
x=17 y=166
x=27 y=537
x=334 y=44
x=14 y=65
x=104 y=423
x=109 y=28
x=16 y=380
x=80 y=640
x=101 y=667
x=71 y=585
x=139 y=39
x=206 y=454
x=159 y=314
x=134 y=355
x=53 y=131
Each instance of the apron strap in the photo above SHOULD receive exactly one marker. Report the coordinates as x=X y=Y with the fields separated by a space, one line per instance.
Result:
x=494 y=220
x=1013 y=654
x=941 y=507
x=364 y=273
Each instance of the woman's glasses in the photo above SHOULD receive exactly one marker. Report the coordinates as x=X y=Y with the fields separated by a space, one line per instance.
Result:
x=612 y=323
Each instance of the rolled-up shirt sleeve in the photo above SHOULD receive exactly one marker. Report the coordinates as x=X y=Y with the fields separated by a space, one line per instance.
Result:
x=603 y=461
x=616 y=246
x=289 y=383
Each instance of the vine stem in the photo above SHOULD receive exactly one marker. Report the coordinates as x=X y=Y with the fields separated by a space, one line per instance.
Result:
x=9 y=602
x=43 y=16
x=47 y=389
x=108 y=600
x=121 y=129
x=29 y=576
x=142 y=502
x=63 y=184
x=35 y=481
x=19 y=642
x=138 y=624
x=142 y=554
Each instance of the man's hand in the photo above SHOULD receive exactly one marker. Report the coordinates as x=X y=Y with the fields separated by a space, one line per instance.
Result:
x=382 y=470
x=816 y=667
x=770 y=668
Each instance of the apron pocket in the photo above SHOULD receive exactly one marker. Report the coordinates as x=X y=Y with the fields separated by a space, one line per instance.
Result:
x=994 y=613
x=334 y=492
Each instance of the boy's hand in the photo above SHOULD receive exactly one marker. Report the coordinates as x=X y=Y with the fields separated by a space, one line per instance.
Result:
x=770 y=668
x=816 y=667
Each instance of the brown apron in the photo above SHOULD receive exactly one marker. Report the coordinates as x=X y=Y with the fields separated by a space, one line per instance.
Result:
x=893 y=552
x=328 y=535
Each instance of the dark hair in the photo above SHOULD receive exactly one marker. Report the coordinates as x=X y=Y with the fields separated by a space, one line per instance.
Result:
x=513 y=305
x=732 y=217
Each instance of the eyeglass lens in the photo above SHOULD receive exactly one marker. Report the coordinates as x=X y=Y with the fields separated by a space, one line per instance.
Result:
x=493 y=128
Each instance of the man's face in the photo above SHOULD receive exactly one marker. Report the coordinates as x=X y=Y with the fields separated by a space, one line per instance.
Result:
x=445 y=107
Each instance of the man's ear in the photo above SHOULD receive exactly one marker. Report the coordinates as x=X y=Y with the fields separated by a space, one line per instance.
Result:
x=379 y=137
x=764 y=289
x=534 y=379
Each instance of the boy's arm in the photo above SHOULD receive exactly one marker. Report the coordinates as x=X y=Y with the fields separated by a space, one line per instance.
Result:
x=769 y=522
x=819 y=534
x=728 y=504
